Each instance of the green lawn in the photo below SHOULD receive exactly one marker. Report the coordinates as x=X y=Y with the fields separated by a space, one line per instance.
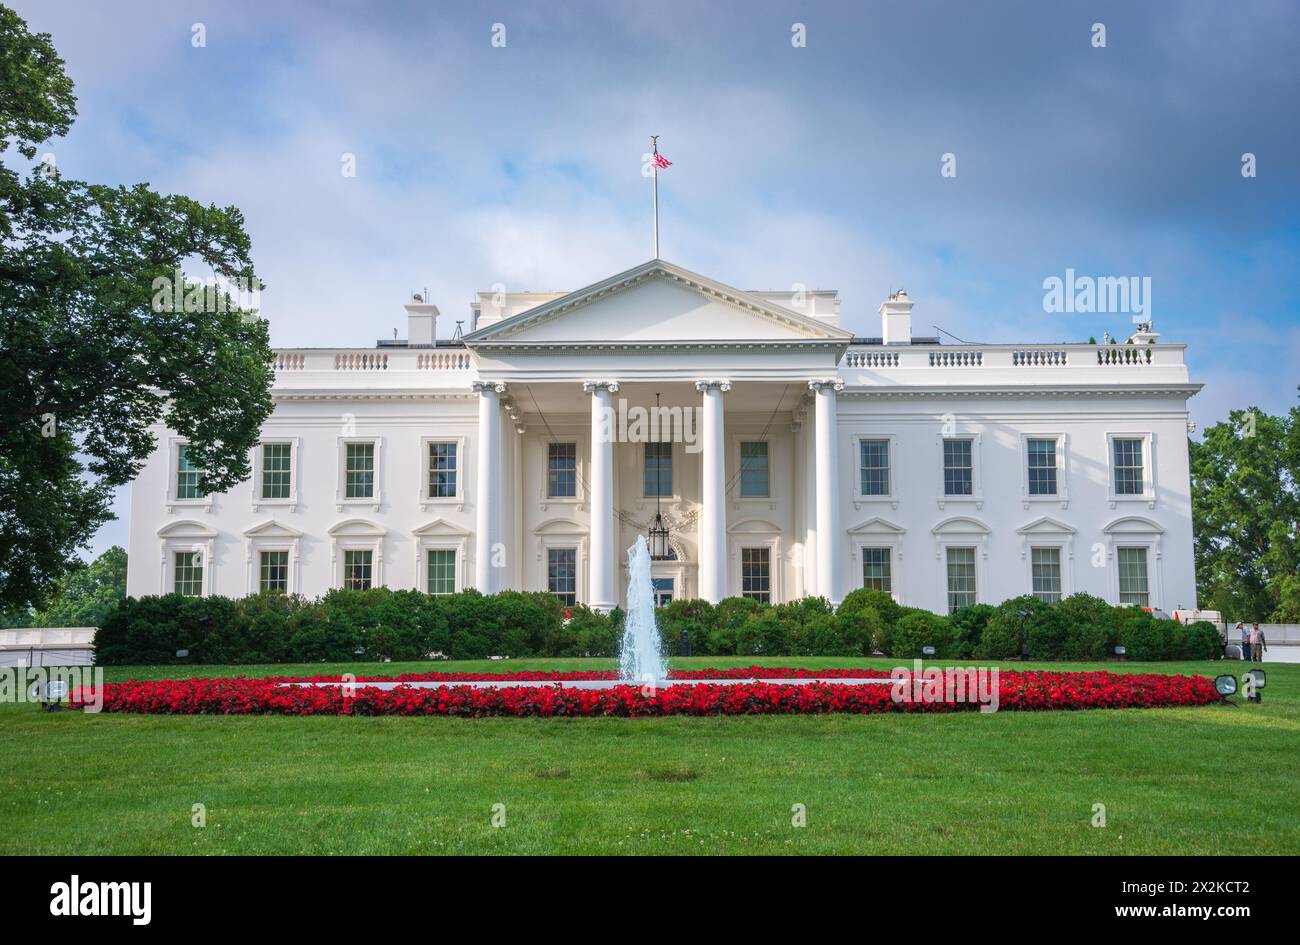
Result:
x=1202 y=780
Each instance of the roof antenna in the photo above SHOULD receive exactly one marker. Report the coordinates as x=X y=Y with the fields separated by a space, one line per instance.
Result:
x=455 y=336
x=954 y=337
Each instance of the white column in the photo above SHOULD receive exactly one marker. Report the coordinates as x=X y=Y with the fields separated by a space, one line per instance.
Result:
x=601 y=595
x=713 y=493
x=487 y=500
x=829 y=528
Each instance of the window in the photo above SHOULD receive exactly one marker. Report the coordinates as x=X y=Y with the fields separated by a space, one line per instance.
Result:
x=442 y=571
x=756 y=574
x=1042 y=466
x=958 y=472
x=754 y=479
x=357 y=569
x=1045 y=568
x=663 y=591
x=187 y=476
x=442 y=470
x=359 y=471
x=876 y=572
x=1129 y=477
x=873 y=465
x=658 y=469
x=1133 y=587
x=188 y=578
x=273 y=571
x=562 y=574
x=562 y=470
x=276 y=470
x=961 y=578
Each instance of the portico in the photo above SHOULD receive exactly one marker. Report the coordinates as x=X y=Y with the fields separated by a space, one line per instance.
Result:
x=777 y=362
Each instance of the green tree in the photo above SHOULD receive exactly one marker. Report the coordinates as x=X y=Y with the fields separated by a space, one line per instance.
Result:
x=1246 y=516
x=94 y=353
x=84 y=596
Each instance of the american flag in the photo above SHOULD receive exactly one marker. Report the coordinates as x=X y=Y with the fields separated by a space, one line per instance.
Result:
x=661 y=161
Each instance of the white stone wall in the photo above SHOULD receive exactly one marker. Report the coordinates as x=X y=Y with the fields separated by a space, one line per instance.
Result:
x=530 y=521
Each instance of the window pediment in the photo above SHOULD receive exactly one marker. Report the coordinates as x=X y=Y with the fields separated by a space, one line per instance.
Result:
x=1134 y=525
x=186 y=529
x=272 y=529
x=357 y=528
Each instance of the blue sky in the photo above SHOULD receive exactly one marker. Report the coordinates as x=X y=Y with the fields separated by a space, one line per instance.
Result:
x=818 y=165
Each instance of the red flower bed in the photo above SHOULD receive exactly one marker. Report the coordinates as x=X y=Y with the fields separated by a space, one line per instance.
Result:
x=1017 y=691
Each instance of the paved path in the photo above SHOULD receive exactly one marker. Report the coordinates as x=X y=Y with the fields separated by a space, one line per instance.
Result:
x=590 y=683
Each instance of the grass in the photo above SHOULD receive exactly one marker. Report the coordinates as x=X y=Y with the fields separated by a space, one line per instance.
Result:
x=1173 y=781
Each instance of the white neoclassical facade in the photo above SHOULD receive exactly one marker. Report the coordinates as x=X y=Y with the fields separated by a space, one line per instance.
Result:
x=785 y=456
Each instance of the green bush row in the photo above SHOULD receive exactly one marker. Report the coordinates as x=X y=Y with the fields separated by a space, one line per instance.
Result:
x=408 y=625
x=1080 y=627
x=349 y=625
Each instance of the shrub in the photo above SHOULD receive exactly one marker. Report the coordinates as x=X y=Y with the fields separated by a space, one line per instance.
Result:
x=1145 y=637
x=968 y=625
x=1005 y=631
x=918 y=629
x=591 y=634
x=1200 y=641
x=410 y=625
x=1089 y=627
x=885 y=612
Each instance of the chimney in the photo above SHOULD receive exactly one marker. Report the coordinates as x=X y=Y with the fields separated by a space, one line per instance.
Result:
x=896 y=319
x=421 y=319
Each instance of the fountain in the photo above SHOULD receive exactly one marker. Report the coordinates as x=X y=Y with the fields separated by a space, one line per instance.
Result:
x=641 y=658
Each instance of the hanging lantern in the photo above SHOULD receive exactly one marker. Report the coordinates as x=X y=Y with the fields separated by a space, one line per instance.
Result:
x=657 y=537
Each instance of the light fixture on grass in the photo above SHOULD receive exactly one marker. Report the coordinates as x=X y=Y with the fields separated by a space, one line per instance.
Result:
x=1225 y=686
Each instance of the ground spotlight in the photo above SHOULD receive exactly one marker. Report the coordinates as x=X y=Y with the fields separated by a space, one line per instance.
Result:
x=1225 y=685
x=53 y=693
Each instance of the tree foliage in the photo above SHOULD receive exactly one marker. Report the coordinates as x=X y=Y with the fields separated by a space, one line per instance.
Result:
x=85 y=596
x=94 y=356
x=1246 y=516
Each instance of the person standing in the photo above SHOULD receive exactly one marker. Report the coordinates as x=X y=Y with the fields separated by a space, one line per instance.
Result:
x=1258 y=645
x=1245 y=640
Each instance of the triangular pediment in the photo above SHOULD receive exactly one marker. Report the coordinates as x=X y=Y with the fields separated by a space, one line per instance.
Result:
x=272 y=529
x=877 y=526
x=1045 y=526
x=657 y=303
x=440 y=528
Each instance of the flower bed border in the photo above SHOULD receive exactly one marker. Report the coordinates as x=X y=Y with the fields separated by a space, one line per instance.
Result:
x=1018 y=691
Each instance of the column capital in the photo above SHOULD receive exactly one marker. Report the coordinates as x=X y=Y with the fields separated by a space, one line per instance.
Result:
x=589 y=387
x=484 y=387
x=719 y=385
x=819 y=384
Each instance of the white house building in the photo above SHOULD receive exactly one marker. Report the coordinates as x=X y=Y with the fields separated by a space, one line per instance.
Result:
x=786 y=458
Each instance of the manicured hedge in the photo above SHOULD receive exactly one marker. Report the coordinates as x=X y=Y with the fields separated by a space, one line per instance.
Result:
x=408 y=625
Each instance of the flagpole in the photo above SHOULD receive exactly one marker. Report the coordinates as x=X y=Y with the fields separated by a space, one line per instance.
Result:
x=654 y=147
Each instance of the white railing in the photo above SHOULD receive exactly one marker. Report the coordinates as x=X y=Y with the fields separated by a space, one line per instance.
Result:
x=1012 y=364
x=372 y=360
x=871 y=359
x=960 y=358
x=1048 y=357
